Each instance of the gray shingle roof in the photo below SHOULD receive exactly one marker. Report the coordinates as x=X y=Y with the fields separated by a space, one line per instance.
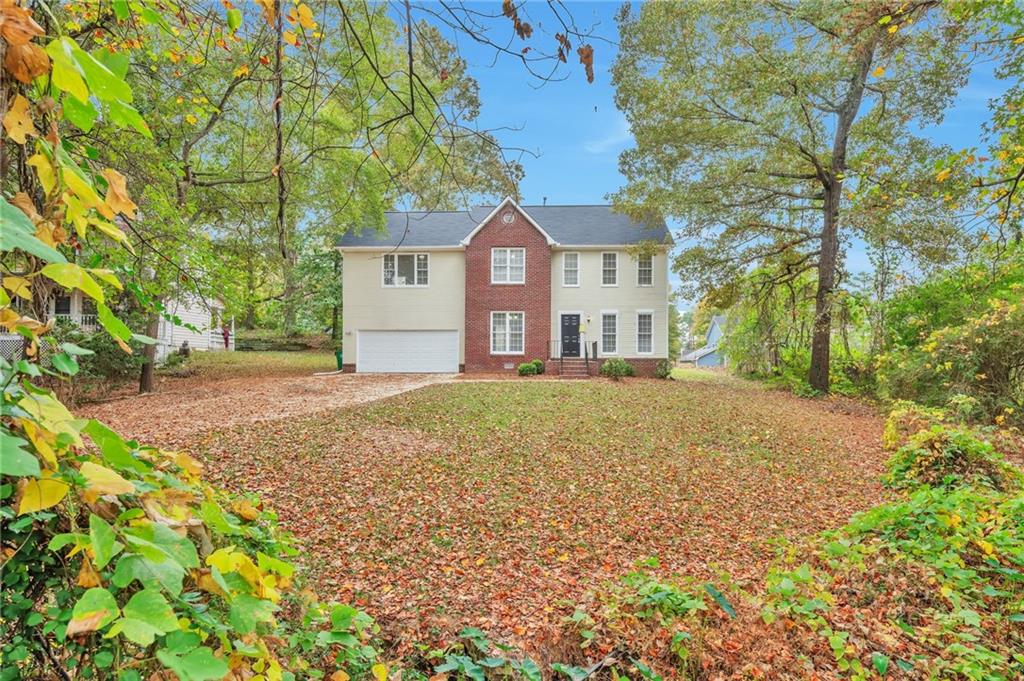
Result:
x=567 y=225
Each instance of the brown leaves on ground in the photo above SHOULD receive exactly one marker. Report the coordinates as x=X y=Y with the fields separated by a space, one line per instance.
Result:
x=498 y=504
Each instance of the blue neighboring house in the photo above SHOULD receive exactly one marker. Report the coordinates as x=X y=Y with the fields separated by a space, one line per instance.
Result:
x=709 y=355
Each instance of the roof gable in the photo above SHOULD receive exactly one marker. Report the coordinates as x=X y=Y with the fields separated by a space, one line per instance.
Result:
x=508 y=202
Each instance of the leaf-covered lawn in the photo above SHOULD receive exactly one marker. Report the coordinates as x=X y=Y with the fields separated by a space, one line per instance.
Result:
x=496 y=504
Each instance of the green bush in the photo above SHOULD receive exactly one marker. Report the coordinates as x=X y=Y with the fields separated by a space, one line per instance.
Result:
x=663 y=369
x=616 y=368
x=539 y=363
x=978 y=365
x=527 y=369
x=950 y=457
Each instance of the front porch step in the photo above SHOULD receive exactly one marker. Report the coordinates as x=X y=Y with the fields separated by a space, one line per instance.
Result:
x=573 y=368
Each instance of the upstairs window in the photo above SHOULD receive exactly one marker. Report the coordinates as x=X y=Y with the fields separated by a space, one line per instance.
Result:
x=571 y=269
x=645 y=270
x=609 y=269
x=508 y=265
x=406 y=269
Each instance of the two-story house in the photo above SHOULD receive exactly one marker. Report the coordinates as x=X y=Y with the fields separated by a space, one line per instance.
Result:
x=491 y=287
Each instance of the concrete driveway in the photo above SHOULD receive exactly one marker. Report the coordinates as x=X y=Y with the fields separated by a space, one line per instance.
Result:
x=172 y=418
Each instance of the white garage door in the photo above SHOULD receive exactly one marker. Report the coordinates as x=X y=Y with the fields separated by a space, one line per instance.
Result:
x=396 y=352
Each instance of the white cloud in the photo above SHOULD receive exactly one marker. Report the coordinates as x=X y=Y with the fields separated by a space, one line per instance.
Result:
x=616 y=137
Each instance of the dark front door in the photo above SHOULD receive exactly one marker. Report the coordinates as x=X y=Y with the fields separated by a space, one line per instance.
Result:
x=570 y=335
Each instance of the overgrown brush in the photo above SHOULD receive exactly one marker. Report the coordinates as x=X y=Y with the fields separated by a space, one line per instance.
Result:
x=951 y=457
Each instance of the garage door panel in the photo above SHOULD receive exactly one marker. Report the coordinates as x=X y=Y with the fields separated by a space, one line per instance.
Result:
x=413 y=351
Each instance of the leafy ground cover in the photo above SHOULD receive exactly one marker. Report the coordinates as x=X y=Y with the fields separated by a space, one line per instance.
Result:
x=498 y=505
x=211 y=366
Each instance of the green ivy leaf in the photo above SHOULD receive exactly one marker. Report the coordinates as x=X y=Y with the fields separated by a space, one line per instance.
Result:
x=103 y=84
x=880 y=663
x=247 y=611
x=125 y=116
x=114 y=326
x=93 y=611
x=165 y=574
x=65 y=364
x=82 y=115
x=19 y=233
x=104 y=542
x=197 y=665
x=145 y=616
x=234 y=19
x=14 y=460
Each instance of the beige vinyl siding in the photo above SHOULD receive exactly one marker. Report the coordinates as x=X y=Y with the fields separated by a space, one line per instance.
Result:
x=368 y=305
x=590 y=298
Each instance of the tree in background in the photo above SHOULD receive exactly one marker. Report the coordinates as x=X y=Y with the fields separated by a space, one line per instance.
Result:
x=758 y=126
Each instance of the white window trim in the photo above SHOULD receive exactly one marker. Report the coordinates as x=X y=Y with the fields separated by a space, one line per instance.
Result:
x=509 y=249
x=600 y=340
x=651 y=285
x=636 y=335
x=579 y=269
x=616 y=254
x=414 y=255
x=506 y=312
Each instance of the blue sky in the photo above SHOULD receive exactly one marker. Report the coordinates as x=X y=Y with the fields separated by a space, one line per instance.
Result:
x=577 y=133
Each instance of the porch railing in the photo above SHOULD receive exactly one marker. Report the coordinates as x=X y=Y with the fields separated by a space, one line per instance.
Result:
x=555 y=352
x=86 y=322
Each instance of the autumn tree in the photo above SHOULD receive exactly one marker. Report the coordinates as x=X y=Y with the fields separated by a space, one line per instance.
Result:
x=756 y=124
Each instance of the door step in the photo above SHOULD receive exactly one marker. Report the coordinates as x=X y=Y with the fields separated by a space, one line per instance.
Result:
x=573 y=368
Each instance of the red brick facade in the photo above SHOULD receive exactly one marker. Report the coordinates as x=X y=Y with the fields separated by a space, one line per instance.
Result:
x=533 y=297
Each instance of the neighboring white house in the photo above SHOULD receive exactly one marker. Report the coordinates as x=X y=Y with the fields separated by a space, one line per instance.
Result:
x=486 y=289
x=709 y=355
x=208 y=320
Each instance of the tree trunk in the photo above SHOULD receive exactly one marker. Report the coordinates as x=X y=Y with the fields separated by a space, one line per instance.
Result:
x=833 y=191
x=336 y=312
x=821 y=337
x=283 y=235
x=147 y=382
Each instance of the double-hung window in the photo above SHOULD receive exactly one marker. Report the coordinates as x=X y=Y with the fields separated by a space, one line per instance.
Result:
x=507 y=331
x=645 y=270
x=571 y=269
x=609 y=333
x=508 y=265
x=644 y=333
x=609 y=269
x=406 y=269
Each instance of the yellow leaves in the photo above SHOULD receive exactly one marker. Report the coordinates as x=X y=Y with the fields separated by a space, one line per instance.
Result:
x=70 y=275
x=340 y=675
x=245 y=509
x=187 y=463
x=241 y=71
x=268 y=10
x=18 y=122
x=879 y=72
x=943 y=174
x=985 y=546
x=191 y=119
x=51 y=415
x=36 y=495
x=101 y=480
x=87 y=576
x=19 y=286
x=83 y=189
x=290 y=38
x=379 y=671
x=117 y=193
x=205 y=581
x=45 y=171
x=306 y=16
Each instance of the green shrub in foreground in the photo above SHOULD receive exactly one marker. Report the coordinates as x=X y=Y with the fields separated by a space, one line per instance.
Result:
x=527 y=369
x=539 y=364
x=617 y=368
x=951 y=457
x=663 y=369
